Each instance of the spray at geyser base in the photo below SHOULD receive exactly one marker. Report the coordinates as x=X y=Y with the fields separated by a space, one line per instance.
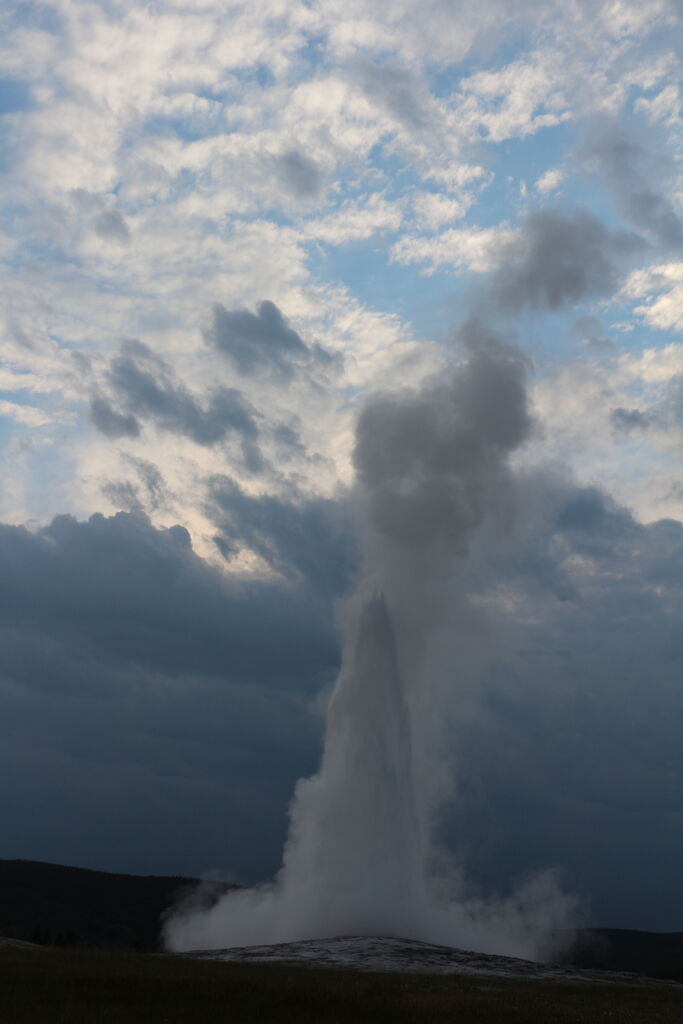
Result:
x=359 y=859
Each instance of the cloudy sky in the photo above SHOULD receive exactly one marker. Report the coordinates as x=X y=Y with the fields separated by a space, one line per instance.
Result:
x=224 y=227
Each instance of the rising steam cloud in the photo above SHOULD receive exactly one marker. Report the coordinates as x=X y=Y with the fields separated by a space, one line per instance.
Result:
x=431 y=471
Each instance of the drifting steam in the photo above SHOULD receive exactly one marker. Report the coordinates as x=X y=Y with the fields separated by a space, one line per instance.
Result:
x=432 y=470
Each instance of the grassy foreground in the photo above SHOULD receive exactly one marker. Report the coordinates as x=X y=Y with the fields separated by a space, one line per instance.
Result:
x=67 y=986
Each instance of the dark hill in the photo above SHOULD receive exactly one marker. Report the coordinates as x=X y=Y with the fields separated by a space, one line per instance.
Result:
x=656 y=954
x=57 y=905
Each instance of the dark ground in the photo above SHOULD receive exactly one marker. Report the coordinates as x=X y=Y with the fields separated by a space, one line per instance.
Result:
x=40 y=985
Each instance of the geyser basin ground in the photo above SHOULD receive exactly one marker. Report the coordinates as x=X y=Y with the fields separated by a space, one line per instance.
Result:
x=385 y=953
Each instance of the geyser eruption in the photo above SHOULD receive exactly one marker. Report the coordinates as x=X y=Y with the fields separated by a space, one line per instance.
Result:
x=364 y=792
x=432 y=469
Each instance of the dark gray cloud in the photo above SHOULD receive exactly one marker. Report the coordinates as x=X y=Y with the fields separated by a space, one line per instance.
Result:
x=300 y=174
x=626 y=420
x=149 y=703
x=148 y=492
x=124 y=495
x=110 y=422
x=151 y=479
x=106 y=222
x=559 y=259
x=578 y=734
x=395 y=89
x=263 y=341
x=303 y=539
x=635 y=182
x=592 y=524
x=110 y=224
x=555 y=521
x=288 y=439
x=675 y=389
x=139 y=595
x=154 y=717
x=146 y=389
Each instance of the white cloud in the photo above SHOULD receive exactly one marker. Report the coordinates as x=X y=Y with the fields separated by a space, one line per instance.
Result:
x=653 y=366
x=448 y=28
x=662 y=289
x=518 y=99
x=664 y=107
x=33 y=382
x=225 y=142
x=28 y=415
x=355 y=220
x=612 y=419
x=474 y=249
x=550 y=181
x=434 y=209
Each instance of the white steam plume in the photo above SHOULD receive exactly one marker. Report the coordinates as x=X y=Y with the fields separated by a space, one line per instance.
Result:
x=432 y=470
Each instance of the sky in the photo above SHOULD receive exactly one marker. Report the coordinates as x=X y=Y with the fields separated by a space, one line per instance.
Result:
x=228 y=227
